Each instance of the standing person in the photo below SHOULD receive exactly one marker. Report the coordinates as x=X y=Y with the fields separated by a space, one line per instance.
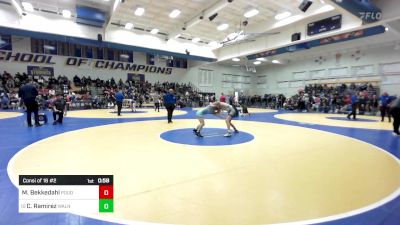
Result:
x=212 y=108
x=384 y=102
x=119 y=98
x=141 y=97
x=222 y=98
x=169 y=102
x=28 y=94
x=354 y=102
x=232 y=112
x=374 y=104
x=395 y=111
x=334 y=103
x=156 y=99
x=60 y=109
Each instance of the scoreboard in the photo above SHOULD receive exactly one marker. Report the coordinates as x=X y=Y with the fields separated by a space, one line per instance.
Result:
x=66 y=193
x=325 y=25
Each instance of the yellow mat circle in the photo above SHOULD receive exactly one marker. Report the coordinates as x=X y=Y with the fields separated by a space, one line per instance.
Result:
x=285 y=174
x=322 y=119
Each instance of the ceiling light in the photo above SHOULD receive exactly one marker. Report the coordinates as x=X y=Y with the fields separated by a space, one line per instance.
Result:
x=66 y=13
x=257 y=62
x=275 y=61
x=261 y=59
x=232 y=36
x=27 y=6
x=325 y=8
x=128 y=26
x=288 y=20
x=213 y=43
x=236 y=59
x=178 y=35
x=223 y=26
x=251 y=13
x=154 y=31
x=175 y=13
x=195 y=40
x=283 y=15
x=241 y=37
x=139 y=11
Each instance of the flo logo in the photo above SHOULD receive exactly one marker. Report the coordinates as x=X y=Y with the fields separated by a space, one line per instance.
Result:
x=370 y=15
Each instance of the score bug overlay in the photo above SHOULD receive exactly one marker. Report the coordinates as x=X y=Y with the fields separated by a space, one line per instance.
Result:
x=66 y=193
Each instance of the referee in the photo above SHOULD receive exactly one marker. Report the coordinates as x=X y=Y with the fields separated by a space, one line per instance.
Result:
x=169 y=102
x=28 y=93
x=119 y=98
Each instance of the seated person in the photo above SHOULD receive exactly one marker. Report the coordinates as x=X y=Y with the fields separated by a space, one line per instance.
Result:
x=77 y=80
x=5 y=102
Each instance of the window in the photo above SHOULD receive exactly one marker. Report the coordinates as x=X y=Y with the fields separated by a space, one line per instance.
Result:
x=50 y=47
x=125 y=56
x=36 y=45
x=89 y=52
x=75 y=50
x=177 y=63
x=150 y=59
x=205 y=78
x=63 y=48
x=117 y=55
x=5 y=42
x=110 y=54
x=170 y=63
x=184 y=63
x=99 y=53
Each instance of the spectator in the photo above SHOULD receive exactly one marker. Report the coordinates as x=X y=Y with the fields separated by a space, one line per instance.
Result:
x=156 y=100
x=222 y=98
x=5 y=102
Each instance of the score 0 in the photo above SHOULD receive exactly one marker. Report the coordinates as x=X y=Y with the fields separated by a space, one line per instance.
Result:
x=106 y=201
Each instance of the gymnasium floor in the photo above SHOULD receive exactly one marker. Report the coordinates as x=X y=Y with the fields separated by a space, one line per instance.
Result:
x=281 y=168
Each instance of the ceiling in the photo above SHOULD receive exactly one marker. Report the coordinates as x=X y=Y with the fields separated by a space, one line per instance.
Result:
x=157 y=15
x=56 y=6
x=390 y=38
